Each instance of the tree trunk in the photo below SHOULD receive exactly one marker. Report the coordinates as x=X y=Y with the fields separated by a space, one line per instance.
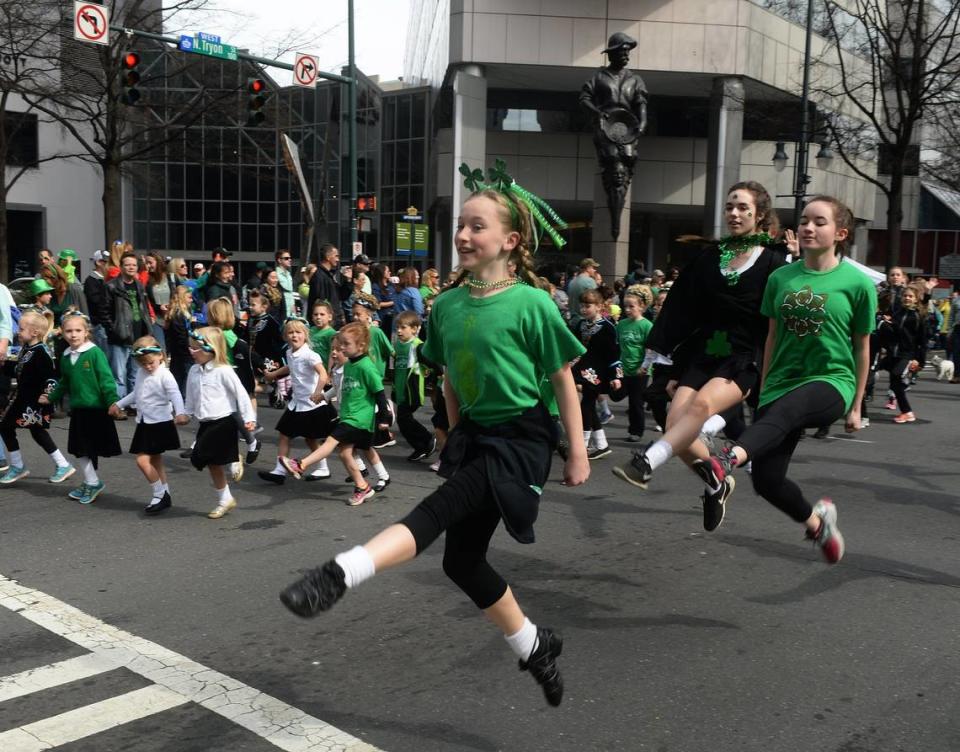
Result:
x=894 y=213
x=112 y=203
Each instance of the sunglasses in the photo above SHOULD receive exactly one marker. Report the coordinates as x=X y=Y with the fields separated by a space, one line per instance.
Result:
x=285 y=258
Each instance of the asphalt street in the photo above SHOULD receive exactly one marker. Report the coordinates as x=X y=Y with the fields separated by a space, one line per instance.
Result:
x=676 y=640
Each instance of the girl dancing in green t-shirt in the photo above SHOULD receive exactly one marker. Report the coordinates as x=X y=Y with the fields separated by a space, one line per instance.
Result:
x=495 y=338
x=811 y=374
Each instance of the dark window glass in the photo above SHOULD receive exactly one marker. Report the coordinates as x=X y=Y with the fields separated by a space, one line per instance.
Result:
x=419 y=115
x=267 y=211
x=20 y=131
x=175 y=236
x=211 y=182
x=248 y=238
x=194 y=238
x=266 y=238
x=403 y=117
x=158 y=239
x=194 y=180
x=158 y=211
x=230 y=237
x=389 y=118
x=211 y=211
x=403 y=163
x=140 y=234
x=416 y=161
x=194 y=211
x=388 y=170
x=211 y=235
x=139 y=209
x=175 y=211
x=231 y=211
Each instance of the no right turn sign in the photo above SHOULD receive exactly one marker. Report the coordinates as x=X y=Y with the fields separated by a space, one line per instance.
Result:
x=305 y=70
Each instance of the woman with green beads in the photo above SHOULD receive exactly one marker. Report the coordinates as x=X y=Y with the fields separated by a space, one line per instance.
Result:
x=712 y=330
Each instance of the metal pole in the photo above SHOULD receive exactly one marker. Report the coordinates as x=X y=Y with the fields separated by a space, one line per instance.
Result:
x=352 y=127
x=800 y=189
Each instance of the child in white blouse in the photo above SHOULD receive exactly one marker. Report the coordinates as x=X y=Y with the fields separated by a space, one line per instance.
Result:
x=214 y=394
x=159 y=409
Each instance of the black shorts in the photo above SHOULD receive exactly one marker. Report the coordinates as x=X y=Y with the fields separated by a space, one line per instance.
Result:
x=216 y=443
x=93 y=433
x=307 y=424
x=740 y=368
x=352 y=436
x=155 y=438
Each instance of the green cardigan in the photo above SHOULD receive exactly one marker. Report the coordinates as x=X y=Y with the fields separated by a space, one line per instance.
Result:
x=89 y=381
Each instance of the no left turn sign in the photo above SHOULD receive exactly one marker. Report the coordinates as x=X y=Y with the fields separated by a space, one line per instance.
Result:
x=305 y=70
x=91 y=23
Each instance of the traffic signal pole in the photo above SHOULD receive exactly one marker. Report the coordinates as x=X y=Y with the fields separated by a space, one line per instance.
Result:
x=352 y=127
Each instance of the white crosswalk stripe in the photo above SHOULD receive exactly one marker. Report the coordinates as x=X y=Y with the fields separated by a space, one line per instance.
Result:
x=176 y=680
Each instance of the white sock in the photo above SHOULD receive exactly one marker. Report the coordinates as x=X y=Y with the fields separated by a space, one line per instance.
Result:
x=658 y=453
x=524 y=641
x=158 y=489
x=357 y=565
x=600 y=439
x=59 y=459
x=381 y=471
x=279 y=469
x=166 y=487
x=223 y=494
x=586 y=437
x=714 y=425
x=251 y=445
x=85 y=465
x=16 y=458
x=322 y=469
x=361 y=466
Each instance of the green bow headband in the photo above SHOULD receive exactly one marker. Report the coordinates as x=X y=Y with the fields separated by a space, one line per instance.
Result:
x=301 y=319
x=499 y=180
x=202 y=341
x=148 y=350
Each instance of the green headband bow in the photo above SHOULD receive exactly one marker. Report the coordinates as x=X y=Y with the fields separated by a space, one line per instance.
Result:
x=148 y=350
x=204 y=344
x=500 y=180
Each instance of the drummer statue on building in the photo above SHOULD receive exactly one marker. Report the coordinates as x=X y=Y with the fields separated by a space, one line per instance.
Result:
x=617 y=97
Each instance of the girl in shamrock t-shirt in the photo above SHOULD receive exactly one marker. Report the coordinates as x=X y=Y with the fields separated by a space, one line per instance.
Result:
x=811 y=374
x=494 y=337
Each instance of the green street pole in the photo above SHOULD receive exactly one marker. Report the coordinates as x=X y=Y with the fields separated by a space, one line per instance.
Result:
x=352 y=127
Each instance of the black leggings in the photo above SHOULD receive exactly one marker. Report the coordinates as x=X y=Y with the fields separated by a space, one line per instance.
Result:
x=772 y=438
x=463 y=507
x=40 y=435
x=417 y=436
x=588 y=407
x=635 y=386
x=899 y=370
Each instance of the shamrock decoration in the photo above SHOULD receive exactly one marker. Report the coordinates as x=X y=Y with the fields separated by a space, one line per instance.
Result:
x=473 y=179
x=804 y=312
x=499 y=178
x=718 y=346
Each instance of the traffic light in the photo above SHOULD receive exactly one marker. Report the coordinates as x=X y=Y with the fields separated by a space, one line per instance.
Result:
x=257 y=91
x=130 y=77
x=367 y=203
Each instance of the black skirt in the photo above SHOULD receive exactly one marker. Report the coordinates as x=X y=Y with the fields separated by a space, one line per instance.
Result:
x=216 y=443
x=92 y=433
x=308 y=424
x=740 y=368
x=155 y=438
x=352 y=436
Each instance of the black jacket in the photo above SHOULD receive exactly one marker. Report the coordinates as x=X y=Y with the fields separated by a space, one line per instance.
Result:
x=332 y=287
x=95 y=290
x=122 y=331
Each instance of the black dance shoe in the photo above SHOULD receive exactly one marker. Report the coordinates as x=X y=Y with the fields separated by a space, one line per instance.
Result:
x=542 y=664
x=316 y=591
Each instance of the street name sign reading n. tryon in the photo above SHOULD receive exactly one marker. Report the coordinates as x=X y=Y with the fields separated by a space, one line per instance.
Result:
x=207 y=44
x=91 y=23
x=305 y=69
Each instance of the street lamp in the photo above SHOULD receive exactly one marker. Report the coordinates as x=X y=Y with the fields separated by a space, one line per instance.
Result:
x=780 y=158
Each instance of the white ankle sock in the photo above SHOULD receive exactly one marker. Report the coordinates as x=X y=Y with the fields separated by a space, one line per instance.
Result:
x=58 y=458
x=600 y=439
x=223 y=494
x=357 y=565
x=279 y=469
x=321 y=469
x=85 y=465
x=524 y=641
x=251 y=445
x=158 y=489
x=16 y=458
x=658 y=453
x=714 y=425
x=361 y=466
x=586 y=437
x=381 y=471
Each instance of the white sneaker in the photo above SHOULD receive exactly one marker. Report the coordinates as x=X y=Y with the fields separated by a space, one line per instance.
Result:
x=236 y=471
x=864 y=423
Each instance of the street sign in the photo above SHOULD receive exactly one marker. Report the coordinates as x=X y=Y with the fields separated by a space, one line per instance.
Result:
x=201 y=43
x=305 y=69
x=948 y=267
x=404 y=239
x=91 y=23
x=421 y=240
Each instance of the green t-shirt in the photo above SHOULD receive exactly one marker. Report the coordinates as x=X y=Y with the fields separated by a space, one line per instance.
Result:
x=380 y=349
x=633 y=341
x=817 y=314
x=405 y=355
x=230 y=337
x=497 y=349
x=320 y=342
x=361 y=382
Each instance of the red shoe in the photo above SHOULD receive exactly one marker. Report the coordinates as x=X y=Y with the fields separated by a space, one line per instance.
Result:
x=828 y=537
x=905 y=418
x=292 y=466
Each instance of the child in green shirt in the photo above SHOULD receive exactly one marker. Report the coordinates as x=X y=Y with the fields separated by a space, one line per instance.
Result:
x=322 y=331
x=408 y=384
x=632 y=331
x=380 y=352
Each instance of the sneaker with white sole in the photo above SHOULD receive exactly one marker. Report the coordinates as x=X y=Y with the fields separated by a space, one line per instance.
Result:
x=360 y=495
x=828 y=537
x=905 y=418
x=236 y=471
x=91 y=492
x=14 y=474
x=78 y=493
x=637 y=472
x=292 y=466
x=714 y=504
x=62 y=473
x=599 y=452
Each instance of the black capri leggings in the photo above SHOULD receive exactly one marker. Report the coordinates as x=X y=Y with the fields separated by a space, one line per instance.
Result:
x=463 y=507
x=772 y=438
x=588 y=406
x=40 y=435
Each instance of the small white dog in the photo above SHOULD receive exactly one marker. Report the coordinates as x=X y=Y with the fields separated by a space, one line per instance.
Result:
x=944 y=368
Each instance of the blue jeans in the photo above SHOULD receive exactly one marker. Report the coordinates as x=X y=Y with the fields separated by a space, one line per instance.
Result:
x=160 y=335
x=100 y=338
x=123 y=367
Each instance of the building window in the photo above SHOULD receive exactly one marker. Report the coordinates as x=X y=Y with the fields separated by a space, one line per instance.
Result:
x=20 y=132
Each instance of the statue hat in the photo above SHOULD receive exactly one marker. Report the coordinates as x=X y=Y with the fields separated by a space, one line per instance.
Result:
x=619 y=40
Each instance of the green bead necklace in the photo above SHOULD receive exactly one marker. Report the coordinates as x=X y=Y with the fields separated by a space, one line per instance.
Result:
x=734 y=245
x=479 y=284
